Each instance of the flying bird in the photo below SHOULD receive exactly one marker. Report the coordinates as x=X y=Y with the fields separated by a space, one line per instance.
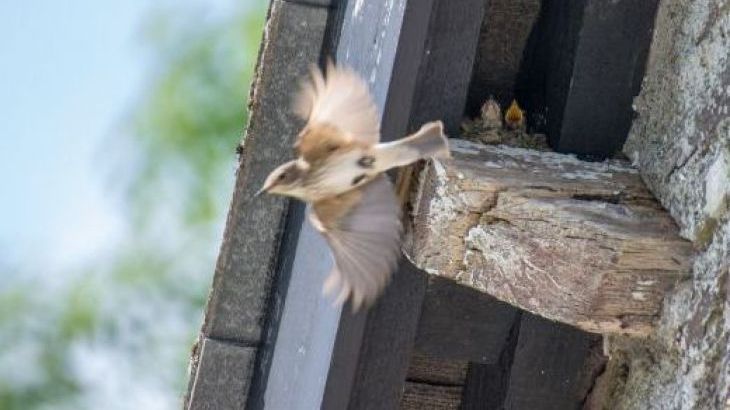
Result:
x=339 y=172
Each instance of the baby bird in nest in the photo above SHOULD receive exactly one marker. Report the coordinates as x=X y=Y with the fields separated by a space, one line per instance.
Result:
x=491 y=114
x=487 y=128
x=492 y=128
x=339 y=172
x=514 y=117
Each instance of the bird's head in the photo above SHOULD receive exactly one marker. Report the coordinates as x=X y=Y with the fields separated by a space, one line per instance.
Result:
x=514 y=117
x=491 y=111
x=286 y=180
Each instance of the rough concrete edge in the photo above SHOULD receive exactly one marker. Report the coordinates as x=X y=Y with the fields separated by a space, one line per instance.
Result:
x=271 y=30
x=195 y=350
x=226 y=368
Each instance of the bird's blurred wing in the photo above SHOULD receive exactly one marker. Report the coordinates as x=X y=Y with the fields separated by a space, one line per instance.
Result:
x=365 y=243
x=341 y=100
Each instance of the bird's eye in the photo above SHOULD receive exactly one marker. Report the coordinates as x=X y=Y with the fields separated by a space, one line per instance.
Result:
x=282 y=176
x=332 y=148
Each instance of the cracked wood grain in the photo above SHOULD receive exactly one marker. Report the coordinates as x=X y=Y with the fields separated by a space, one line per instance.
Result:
x=582 y=243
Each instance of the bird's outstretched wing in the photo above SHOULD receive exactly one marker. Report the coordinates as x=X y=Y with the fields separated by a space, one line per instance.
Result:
x=364 y=238
x=341 y=100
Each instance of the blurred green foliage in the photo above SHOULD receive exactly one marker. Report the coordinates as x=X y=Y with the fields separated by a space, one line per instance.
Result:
x=195 y=111
x=45 y=336
x=140 y=308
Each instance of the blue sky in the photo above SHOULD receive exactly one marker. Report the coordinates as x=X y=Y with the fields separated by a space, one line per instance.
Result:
x=69 y=73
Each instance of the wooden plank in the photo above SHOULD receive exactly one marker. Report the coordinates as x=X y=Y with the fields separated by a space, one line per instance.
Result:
x=433 y=383
x=434 y=370
x=461 y=323
x=368 y=42
x=523 y=378
x=306 y=331
x=579 y=242
x=445 y=72
x=370 y=359
x=387 y=42
x=485 y=387
x=583 y=68
x=577 y=360
x=549 y=370
x=424 y=396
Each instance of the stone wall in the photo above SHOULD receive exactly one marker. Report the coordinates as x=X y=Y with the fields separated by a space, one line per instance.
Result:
x=680 y=141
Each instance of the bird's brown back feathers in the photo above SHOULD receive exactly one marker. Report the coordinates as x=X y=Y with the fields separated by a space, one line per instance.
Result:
x=317 y=142
x=341 y=101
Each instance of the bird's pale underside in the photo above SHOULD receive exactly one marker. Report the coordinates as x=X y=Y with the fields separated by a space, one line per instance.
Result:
x=339 y=172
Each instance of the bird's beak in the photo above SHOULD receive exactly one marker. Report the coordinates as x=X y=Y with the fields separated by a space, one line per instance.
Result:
x=269 y=184
x=263 y=190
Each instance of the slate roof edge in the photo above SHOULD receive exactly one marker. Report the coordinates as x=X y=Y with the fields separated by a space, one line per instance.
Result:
x=230 y=358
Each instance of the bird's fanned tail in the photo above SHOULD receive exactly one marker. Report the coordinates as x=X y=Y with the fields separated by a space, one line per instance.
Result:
x=428 y=142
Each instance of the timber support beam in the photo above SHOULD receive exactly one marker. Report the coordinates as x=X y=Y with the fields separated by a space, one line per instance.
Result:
x=583 y=243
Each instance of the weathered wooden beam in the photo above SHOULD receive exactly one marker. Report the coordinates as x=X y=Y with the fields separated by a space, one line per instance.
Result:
x=583 y=243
